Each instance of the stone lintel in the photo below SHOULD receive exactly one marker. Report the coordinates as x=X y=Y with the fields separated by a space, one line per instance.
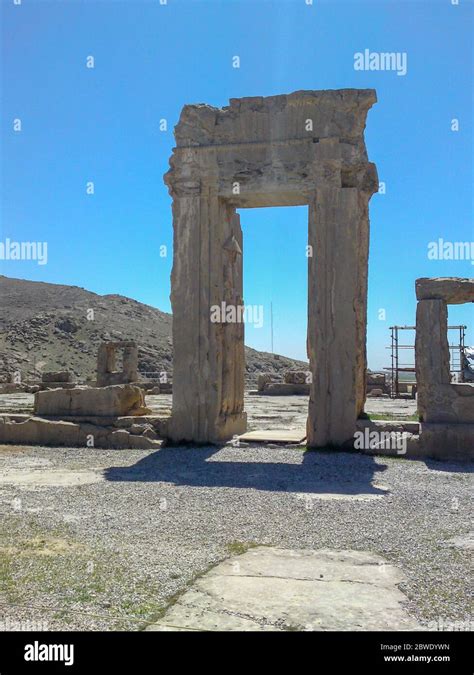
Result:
x=453 y=290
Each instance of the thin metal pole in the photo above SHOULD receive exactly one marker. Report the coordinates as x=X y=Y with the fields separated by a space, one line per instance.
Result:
x=392 y=389
x=271 y=323
x=397 y=393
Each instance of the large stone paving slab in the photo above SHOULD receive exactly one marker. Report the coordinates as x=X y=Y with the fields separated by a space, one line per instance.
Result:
x=272 y=589
x=274 y=436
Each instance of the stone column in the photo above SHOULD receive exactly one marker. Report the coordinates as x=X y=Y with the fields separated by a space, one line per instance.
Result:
x=431 y=352
x=362 y=289
x=337 y=307
x=189 y=403
x=232 y=334
x=130 y=363
x=208 y=360
x=106 y=362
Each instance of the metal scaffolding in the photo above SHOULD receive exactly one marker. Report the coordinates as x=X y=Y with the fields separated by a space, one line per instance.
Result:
x=456 y=350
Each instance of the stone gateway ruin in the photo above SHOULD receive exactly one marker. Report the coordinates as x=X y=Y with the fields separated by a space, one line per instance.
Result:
x=446 y=408
x=107 y=373
x=305 y=148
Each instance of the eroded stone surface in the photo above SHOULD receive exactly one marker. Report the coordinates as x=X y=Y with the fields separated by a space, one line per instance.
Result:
x=116 y=400
x=446 y=409
x=453 y=290
x=49 y=477
x=26 y=430
x=274 y=436
x=447 y=441
x=284 y=589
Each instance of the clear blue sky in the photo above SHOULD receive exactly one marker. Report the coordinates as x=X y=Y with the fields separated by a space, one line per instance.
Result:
x=102 y=125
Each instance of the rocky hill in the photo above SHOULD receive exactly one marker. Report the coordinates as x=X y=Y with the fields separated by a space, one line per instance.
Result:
x=54 y=327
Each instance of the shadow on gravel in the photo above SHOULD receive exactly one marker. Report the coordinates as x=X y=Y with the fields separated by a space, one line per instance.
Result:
x=319 y=472
x=449 y=467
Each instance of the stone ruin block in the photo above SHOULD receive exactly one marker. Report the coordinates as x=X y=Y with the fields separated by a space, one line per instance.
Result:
x=165 y=387
x=446 y=409
x=114 y=400
x=447 y=441
x=56 y=379
x=377 y=384
x=377 y=379
x=452 y=290
x=285 y=389
x=263 y=380
x=376 y=393
x=296 y=377
x=56 y=376
x=156 y=387
x=26 y=430
x=106 y=363
x=294 y=384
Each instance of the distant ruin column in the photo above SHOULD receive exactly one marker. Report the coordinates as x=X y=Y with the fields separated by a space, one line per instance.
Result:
x=337 y=310
x=107 y=363
x=130 y=362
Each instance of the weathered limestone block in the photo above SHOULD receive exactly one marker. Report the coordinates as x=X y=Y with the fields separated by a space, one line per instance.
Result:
x=263 y=380
x=448 y=403
x=398 y=426
x=391 y=445
x=378 y=379
x=374 y=393
x=296 y=377
x=55 y=385
x=285 y=389
x=58 y=376
x=138 y=428
x=142 y=443
x=447 y=441
x=388 y=438
x=453 y=290
x=37 y=431
x=120 y=439
x=12 y=388
x=334 y=113
x=124 y=399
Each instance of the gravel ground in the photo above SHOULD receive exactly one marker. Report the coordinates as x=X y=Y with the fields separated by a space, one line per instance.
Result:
x=111 y=554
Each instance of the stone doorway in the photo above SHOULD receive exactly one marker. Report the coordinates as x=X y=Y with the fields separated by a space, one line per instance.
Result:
x=305 y=148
